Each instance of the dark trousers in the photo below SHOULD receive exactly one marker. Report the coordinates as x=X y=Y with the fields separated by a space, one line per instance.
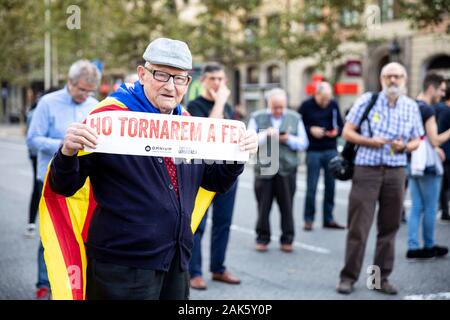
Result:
x=283 y=189
x=369 y=186
x=36 y=194
x=222 y=214
x=106 y=281
x=445 y=188
x=315 y=161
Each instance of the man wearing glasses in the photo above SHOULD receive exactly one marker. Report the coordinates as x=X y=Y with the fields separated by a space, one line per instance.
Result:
x=392 y=129
x=139 y=241
x=52 y=116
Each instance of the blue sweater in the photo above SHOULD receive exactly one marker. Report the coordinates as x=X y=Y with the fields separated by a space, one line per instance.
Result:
x=139 y=221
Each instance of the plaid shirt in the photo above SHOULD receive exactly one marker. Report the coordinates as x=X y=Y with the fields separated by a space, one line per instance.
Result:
x=401 y=121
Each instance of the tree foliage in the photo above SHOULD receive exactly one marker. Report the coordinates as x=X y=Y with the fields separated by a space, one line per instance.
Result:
x=228 y=31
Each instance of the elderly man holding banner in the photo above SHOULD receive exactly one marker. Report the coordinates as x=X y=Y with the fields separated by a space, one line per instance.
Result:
x=137 y=223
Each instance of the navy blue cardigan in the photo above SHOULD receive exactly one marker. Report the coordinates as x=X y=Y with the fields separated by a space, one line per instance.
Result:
x=139 y=221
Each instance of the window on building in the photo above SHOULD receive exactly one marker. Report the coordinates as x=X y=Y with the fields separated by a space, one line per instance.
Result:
x=349 y=17
x=273 y=74
x=389 y=10
x=273 y=24
x=252 y=74
x=251 y=27
x=313 y=11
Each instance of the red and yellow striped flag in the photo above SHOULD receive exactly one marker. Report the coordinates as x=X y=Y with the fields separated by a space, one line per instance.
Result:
x=64 y=225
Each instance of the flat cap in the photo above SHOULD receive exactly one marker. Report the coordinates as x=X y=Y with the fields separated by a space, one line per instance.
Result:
x=168 y=52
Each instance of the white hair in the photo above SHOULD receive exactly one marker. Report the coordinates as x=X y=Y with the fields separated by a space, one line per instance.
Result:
x=275 y=92
x=84 y=69
x=393 y=64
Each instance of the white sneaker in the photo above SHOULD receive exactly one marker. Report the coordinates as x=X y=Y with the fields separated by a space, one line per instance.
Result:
x=30 y=231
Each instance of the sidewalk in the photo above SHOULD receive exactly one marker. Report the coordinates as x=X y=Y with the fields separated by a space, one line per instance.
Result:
x=14 y=131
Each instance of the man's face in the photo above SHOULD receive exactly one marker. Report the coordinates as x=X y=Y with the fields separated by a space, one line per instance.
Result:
x=81 y=90
x=437 y=93
x=163 y=95
x=213 y=80
x=393 y=81
x=277 y=105
x=323 y=99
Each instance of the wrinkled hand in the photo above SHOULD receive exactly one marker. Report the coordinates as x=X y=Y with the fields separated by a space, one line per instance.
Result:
x=77 y=137
x=377 y=142
x=248 y=141
x=398 y=145
x=317 y=132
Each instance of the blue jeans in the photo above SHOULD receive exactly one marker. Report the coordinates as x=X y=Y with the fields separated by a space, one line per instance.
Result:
x=42 y=270
x=425 y=196
x=315 y=160
x=223 y=205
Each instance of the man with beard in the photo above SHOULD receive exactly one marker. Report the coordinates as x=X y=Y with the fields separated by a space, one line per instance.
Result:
x=392 y=128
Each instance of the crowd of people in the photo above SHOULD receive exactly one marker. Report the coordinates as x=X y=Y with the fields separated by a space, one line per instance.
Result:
x=401 y=139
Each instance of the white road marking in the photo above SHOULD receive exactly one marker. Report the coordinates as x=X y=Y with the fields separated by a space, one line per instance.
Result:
x=300 y=193
x=276 y=237
x=429 y=296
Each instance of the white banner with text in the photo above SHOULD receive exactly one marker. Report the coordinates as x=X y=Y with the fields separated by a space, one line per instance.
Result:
x=152 y=134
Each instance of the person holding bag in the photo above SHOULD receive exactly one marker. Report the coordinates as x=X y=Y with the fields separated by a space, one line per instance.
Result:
x=425 y=174
x=392 y=128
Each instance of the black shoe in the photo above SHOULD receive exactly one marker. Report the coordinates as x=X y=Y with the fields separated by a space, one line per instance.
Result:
x=333 y=225
x=445 y=217
x=420 y=254
x=440 y=251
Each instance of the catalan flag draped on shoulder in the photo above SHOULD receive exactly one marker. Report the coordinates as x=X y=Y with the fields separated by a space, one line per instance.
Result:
x=64 y=221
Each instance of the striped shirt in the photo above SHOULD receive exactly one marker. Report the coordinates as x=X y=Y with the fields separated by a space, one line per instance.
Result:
x=403 y=121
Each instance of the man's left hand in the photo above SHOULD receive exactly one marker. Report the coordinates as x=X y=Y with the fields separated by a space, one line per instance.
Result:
x=398 y=145
x=249 y=141
x=284 y=137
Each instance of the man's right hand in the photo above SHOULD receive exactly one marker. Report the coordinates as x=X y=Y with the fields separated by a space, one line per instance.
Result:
x=377 y=142
x=77 y=137
x=317 y=132
x=221 y=95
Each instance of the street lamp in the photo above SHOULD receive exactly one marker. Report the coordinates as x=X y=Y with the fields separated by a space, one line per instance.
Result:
x=394 y=51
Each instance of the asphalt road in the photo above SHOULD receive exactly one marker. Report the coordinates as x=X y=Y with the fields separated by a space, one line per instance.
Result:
x=310 y=272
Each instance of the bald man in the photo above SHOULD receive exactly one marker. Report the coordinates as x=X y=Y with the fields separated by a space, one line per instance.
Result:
x=277 y=125
x=392 y=129
x=323 y=124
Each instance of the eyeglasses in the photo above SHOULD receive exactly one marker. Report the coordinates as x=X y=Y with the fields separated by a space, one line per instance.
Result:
x=85 y=91
x=165 y=77
x=395 y=76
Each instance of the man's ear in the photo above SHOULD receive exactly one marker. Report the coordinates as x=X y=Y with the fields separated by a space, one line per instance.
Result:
x=141 y=74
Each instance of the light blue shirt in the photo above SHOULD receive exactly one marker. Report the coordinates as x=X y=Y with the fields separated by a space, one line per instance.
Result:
x=298 y=142
x=51 y=118
x=402 y=121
